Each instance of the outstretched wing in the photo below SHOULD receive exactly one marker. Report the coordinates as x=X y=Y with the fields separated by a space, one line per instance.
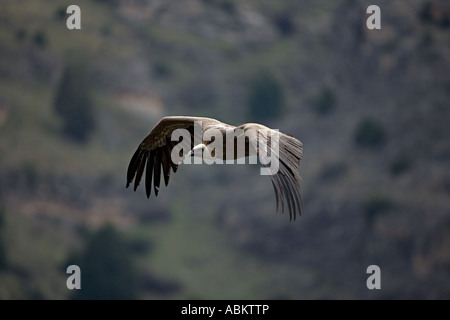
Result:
x=154 y=152
x=280 y=154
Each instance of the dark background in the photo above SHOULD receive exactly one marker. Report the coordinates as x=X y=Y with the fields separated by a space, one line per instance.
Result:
x=370 y=106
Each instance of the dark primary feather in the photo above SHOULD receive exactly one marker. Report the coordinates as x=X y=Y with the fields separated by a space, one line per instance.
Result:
x=166 y=164
x=140 y=168
x=132 y=167
x=157 y=171
x=149 y=173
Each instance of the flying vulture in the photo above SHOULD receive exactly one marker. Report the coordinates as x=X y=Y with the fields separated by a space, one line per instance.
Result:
x=166 y=147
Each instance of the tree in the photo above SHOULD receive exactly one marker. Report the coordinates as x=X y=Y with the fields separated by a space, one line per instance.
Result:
x=266 y=99
x=73 y=104
x=107 y=268
x=3 y=258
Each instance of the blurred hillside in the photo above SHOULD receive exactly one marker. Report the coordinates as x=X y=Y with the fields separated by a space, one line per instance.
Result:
x=370 y=106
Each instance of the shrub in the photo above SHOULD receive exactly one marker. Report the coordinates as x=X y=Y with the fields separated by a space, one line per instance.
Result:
x=399 y=164
x=21 y=34
x=61 y=14
x=435 y=13
x=424 y=12
x=162 y=69
x=266 y=99
x=73 y=104
x=376 y=205
x=3 y=258
x=40 y=39
x=2 y=216
x=369 y=133
x=284 y=23
x=324 y=102
x=30 y=175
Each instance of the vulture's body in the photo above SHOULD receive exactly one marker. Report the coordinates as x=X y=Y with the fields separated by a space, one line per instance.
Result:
x=156 y=152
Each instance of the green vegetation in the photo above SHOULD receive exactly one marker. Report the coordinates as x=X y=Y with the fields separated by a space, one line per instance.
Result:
x=108 y=268
x=74 y=104
x=399 y=164
x=369 y=133
x=435 y=13
x=266 y=99
x=162 y=69
x=284 y=23
x=3 y=258
x=40 y=39
x=324 y=102
x=35 y=248
x=61 y=14
x=21 y=34
x=375 y=205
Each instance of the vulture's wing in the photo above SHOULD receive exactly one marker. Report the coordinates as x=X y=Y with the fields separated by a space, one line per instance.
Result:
x=155 y=151
x=285 y=176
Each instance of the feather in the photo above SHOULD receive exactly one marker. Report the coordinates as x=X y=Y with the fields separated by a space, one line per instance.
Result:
x=140 y=169
x=131 y=172
x=165 y=160
x=148 y=173
x=157 y=170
